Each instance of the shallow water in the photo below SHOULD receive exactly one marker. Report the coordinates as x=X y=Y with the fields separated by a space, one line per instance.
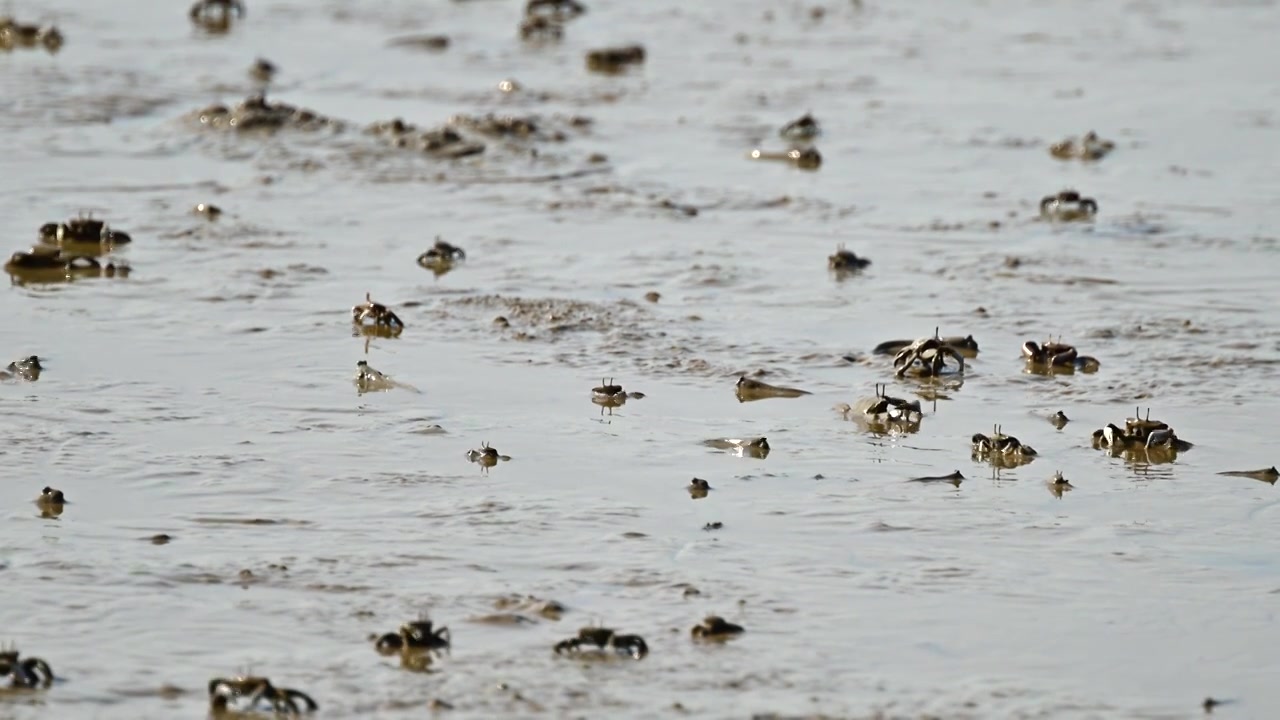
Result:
x=209 y=395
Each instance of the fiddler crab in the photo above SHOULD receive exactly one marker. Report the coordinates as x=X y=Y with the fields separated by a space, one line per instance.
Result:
x=211 y=11
x=51 y=502
x=14 y=34
x=966 y=346
x=756 y=447
x=926 y=357
x=415 y=635
x=615 y=59
x=30 y=672
x=1067 y=206
x=610 y=394
x=549 y=609
x=999 y=448
x=806 y=159
x=715 y=628
x=48 y=263
x=380 y=314
x=368 y=379
x=883 y=408
x=541 y=27
x=1139 y=433
x=1058 y=485
x=802 y=129
x=556 y=9
x=263 y=70
x=486 y=456
x=846 y=261
x=211 y=212
x=82 y=229
x=604 y=640
x=747 y=390
x=441 y=257
x=1058 y=355
x=27 y=368
x=1089 y=148
x=698 y=488
x=223 y=692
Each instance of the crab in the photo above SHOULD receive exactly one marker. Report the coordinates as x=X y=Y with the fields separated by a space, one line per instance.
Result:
x=51 y=502
x=1089 y=148
x=803 y=129
x=556 y=9
x=27 y=368
x=926 y=357
x=966 y=345
x=415 y=635
x=615 y=59
x=1140 y=433
x=213 y=10
x=83 y=229
x=604 y=639
x=30 y=672
x=999 y=446
x=807 y=159
x=698 y=488
x=486 y=456
x=441 y=257
x=381 y=315
x=1058 y=355
x=846 y=261
x=541 y=27
x=884 y=407
x=284 y=701
x=714 y=627
x=1067 y=206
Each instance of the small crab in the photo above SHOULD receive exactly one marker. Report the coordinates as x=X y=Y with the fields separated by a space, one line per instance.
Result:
x=614 y=59
x=486 y=456
x=415 y=635
x=27 y=368
x=802 y=129
x=381 y=315
x=368 y=379
x=262 y=70
x=882 y=407
x=284 y=701
x=845 y=261
x=85 y=230
x=1000 y=447
x=208 y=10
x=557 y=9
x=549 y=609
x=30 y=672
x=716 y=628
x=1058 y=485
x=441 y=257
x=51 y=502
x=1067 y=206
x=698 y=488
x=1140 y=434
x=807 y=159
x=610 y=395
x=604 y=639
x=1089 y=148
x=211 y=212
x=541 y=27
x=1058 y=356
x=926 y=357
x=966 y=345
x=747 y=390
